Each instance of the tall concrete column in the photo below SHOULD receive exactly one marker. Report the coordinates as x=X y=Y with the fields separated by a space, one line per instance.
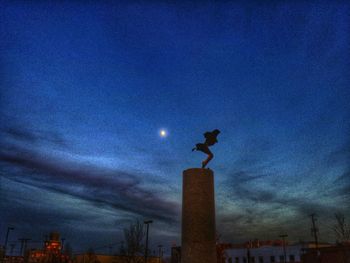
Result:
x=198 y=217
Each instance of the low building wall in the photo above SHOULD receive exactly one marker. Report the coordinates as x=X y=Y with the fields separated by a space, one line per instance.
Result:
x=92 y=258
x=334 y=254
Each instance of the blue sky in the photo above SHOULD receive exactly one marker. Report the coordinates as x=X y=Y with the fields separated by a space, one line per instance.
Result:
x=86 y=87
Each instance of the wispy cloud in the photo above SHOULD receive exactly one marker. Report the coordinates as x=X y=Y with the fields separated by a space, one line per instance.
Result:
x=25 y=135
x=101 y=186
x=262 y=203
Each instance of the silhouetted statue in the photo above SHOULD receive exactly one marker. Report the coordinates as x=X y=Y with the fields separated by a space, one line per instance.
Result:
x=210 y=139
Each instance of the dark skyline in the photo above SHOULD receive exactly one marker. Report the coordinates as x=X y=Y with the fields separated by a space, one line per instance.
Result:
x=86 y=88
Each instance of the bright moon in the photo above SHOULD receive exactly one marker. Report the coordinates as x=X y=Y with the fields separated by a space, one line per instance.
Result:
x=163 y=133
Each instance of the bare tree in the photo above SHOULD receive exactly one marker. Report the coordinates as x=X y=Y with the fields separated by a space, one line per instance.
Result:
x=341 y=228
x=133 y=236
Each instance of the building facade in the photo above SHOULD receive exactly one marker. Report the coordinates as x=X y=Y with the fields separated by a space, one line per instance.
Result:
x=264 y=254
x=50 y=253
x=269 y=252
x=335 y=254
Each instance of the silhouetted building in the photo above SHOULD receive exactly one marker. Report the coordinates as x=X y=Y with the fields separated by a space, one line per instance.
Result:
x=95 y=258
x=13 y=259
x=334 y=254
x=270 y=251
x=220 y=253
x=51 y=252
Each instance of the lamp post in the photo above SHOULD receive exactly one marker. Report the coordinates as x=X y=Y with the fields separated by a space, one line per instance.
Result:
x=7 y=237
x=146 y=248
x=62 y=244
x=160 y=253
x=12 y=248
x=248 y=250
x=284 y=247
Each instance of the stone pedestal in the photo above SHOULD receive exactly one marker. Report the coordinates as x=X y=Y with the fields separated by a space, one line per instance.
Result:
x=198 y=217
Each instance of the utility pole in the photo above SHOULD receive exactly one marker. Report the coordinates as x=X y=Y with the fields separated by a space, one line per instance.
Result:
x=160 y=253
x=7 y=237
x=62 y=244
x=284 y=247
x=23 y=245
x=146 y=249
x=314 y=229
x=45 y=241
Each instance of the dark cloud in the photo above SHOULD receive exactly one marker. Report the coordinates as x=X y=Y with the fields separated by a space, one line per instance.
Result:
x=241 y=177
x=263 y=211
x=243 y=188
x=111 y=198
x=342 y=184
x=340 y=156
x=35 y=217
x=21 y=134
x=26 y=135
x=30 y=215
x=103 y=187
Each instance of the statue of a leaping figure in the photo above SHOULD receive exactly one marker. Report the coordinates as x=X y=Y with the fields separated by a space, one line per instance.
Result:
x=210 y=139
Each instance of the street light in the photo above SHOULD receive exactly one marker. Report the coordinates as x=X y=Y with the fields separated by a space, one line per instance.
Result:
x=146 y=249
x=12 y=248
x=7 y=237
x=160 y=253
x=249 y=246
x=62 y=244
x=284 y=247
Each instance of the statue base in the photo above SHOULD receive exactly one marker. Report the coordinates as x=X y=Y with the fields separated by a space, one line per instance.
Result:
x=198 y=217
